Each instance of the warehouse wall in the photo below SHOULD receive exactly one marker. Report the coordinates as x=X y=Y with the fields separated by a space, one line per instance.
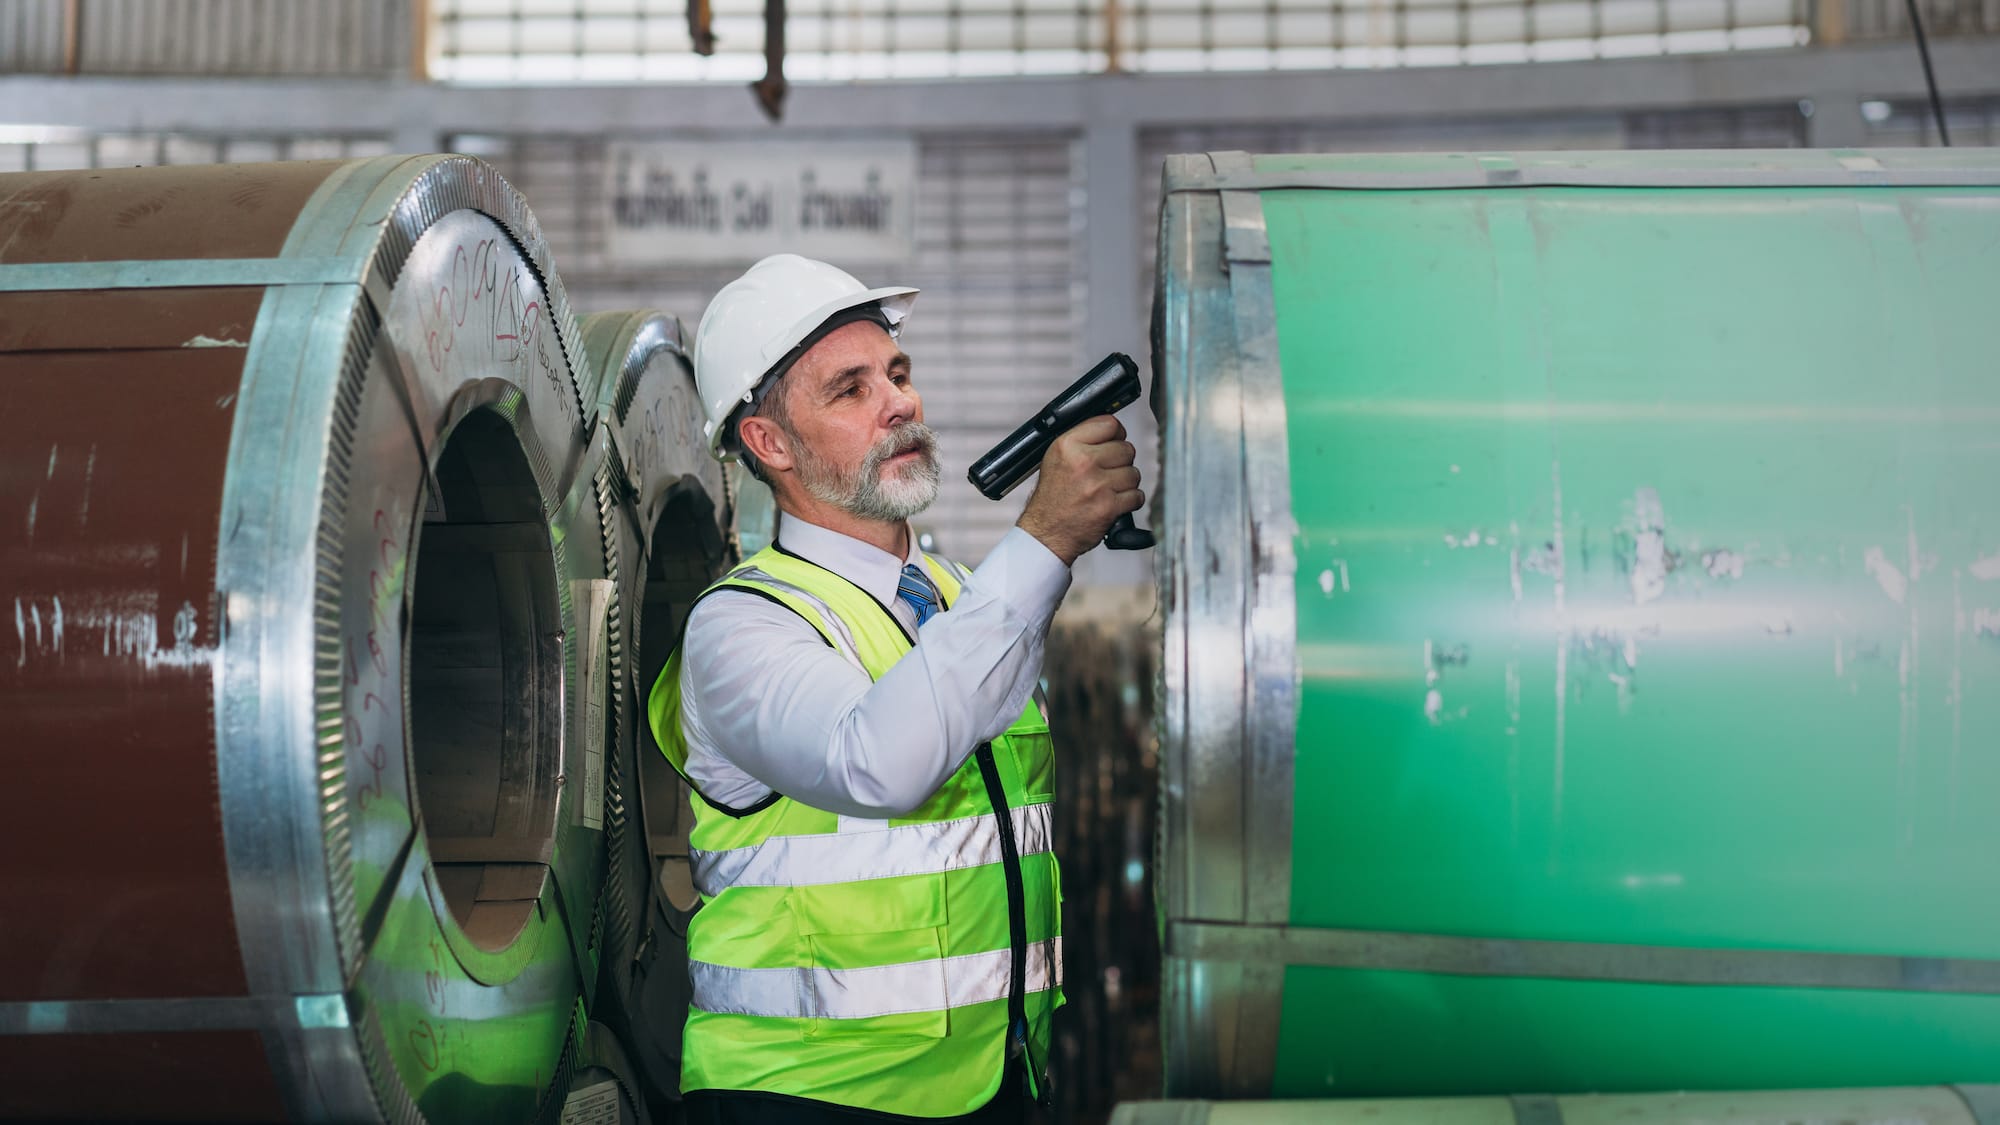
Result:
x=355 y=38
x=1037 y=198
x=629 y=40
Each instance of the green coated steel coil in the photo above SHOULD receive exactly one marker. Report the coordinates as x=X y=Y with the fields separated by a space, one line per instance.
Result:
x=1582 y=586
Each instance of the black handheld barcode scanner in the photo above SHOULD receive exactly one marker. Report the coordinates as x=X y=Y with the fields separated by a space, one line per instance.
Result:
x=1105 y=389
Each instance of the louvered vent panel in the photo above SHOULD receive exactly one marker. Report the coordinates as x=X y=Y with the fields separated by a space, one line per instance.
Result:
x=1890 y=19
x=1911 y=124
x=1766 y=127
x=31 y=37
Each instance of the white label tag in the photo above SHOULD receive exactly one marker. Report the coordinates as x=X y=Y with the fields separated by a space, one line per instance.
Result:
x=595 y=1104
x=590 y=600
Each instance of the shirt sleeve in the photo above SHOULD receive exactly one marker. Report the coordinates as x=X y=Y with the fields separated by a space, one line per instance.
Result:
x=765 y=694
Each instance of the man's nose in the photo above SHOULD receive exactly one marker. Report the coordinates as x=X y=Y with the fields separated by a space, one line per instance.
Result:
x=903 y=404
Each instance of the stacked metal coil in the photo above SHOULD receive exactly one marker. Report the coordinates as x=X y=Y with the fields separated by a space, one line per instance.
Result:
x=325 y=545
x=673 y=538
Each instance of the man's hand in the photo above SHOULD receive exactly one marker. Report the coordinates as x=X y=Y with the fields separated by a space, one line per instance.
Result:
x=1087 y=481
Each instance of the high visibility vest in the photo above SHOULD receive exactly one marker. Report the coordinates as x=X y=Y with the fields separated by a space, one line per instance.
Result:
x=889 y=965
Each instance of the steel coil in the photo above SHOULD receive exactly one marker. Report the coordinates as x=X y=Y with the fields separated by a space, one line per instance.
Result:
x=313 y=549
x=676 y=534
x=1578 y=666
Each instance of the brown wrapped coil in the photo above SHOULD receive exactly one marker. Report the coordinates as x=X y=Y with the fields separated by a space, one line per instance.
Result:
x=309 y=537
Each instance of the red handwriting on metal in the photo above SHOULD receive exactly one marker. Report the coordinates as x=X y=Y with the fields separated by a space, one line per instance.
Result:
x=471 y=278
x=424 y=1045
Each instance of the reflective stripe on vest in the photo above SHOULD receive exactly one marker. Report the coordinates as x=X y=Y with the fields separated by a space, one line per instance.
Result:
x=884 y=990
x=930 y=848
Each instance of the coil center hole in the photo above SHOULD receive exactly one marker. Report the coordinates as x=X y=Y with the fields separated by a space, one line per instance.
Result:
x=485 y=681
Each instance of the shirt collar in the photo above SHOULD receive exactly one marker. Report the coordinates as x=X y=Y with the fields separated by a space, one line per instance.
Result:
x=875 y=570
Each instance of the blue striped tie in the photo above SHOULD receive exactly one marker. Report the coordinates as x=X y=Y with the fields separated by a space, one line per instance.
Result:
x=915 y=588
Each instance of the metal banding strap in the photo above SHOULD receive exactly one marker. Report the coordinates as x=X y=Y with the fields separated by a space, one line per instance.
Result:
x=1268 y=620
x=761 y=577
x=1536 y=1109
x=883 y=990
x=850 y=856
x=1500 y=169
x=176 y=273
x=1232 y=163
x=198 y=1013
x=1574 y=960
x=1243 y=235
x=1983 y=1101
x=1818 y=168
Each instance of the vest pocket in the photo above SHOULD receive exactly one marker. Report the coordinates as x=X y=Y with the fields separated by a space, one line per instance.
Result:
x=875 y=958
x=1034 y=757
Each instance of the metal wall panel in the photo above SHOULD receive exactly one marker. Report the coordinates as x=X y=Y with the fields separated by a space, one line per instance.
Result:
x=1910 y=124
x=31 y=36
x=998 y=256
x=1889 y=19
x=360 y=38
x=1760 y=127
x=52 y=150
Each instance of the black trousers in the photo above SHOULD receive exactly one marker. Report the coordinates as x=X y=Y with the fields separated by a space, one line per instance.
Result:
x=1010 y=1106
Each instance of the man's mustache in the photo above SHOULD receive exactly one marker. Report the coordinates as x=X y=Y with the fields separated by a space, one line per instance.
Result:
x=910 y=437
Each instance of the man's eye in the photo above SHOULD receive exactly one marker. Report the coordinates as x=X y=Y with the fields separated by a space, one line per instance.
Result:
x=848 y=392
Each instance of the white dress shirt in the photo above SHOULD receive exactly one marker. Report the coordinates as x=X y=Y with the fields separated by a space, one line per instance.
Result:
x=767 y=706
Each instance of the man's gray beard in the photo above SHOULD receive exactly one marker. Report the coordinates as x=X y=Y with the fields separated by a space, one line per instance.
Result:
x=909 y=490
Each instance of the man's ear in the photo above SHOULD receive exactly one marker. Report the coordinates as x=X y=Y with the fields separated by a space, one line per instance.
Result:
x=766 y=440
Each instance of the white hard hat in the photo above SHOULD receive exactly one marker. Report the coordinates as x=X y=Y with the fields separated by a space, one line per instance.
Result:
x=756 y=321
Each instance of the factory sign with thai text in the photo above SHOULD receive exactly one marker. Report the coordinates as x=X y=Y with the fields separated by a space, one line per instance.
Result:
x=686 y=203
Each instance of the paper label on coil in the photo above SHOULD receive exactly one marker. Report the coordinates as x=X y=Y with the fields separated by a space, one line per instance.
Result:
x=595 y=1104
x=591 y=601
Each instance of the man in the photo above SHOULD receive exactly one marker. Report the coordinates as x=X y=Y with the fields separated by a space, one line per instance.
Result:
x=880 y=935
